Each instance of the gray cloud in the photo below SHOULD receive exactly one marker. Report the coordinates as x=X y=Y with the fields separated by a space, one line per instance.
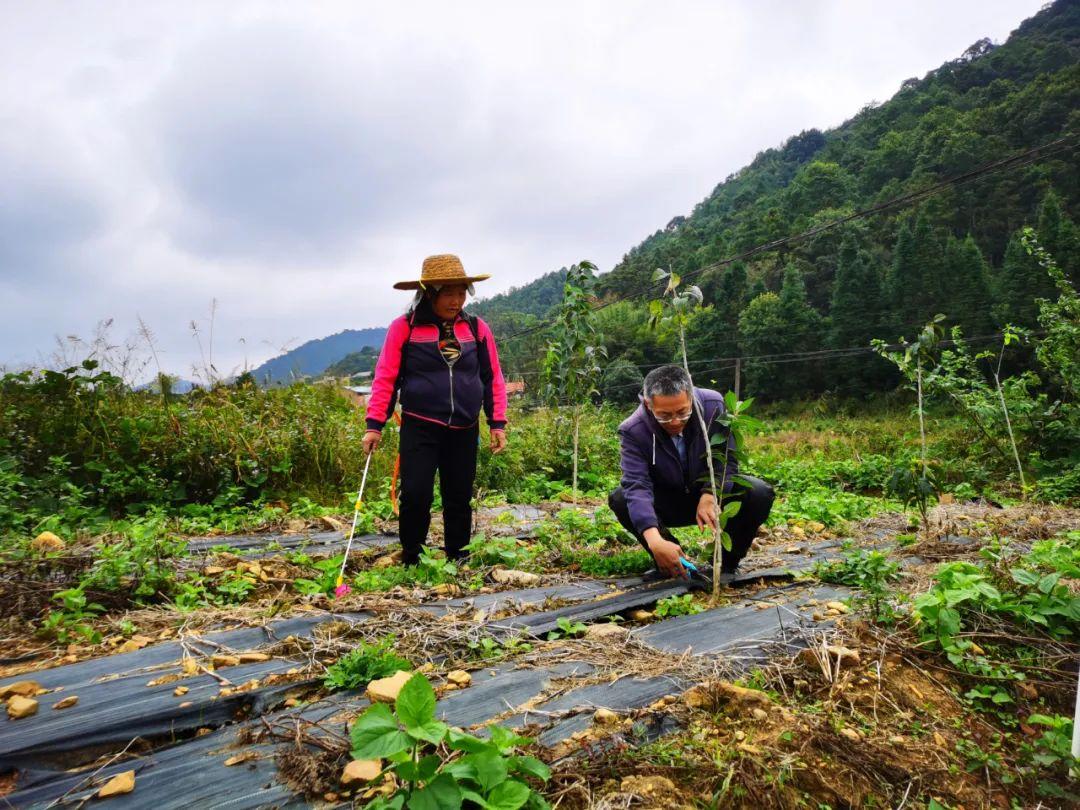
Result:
x=293 y=160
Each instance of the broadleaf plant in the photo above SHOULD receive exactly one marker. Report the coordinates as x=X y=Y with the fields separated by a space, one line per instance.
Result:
x=439 y=767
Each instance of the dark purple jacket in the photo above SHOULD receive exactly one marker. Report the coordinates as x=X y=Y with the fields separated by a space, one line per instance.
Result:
x=411 y=365
x=650 y=463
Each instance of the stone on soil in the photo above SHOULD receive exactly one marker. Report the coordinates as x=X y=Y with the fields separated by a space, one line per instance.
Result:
x=47 y=541
x=117 y=786
x=23 y=688
x=509 y=576
x=385 y=690
x=361 y=770
x=605 y=717
x=605 y=630
x=459 y=677
x=19 y=707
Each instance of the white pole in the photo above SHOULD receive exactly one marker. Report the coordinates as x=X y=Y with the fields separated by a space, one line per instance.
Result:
x=1076 y=722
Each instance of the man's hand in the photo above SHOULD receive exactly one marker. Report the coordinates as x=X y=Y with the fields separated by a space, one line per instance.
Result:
x=706 y=511
x=665 y=553
x=371 y=441
x=498 y=440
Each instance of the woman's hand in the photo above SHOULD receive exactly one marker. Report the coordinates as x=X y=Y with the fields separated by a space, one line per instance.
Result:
x=371 y=441
x=498 y=440
x=706 y=511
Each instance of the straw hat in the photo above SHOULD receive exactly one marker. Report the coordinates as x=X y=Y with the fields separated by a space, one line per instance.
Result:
x=442 y=269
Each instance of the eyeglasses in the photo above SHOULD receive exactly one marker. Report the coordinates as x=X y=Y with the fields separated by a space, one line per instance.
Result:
x=664 y=419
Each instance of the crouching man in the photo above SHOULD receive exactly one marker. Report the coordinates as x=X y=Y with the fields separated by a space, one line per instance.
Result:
x=665 y=477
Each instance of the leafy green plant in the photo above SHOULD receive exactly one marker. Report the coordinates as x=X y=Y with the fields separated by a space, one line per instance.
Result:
x=72 y=622
x=678 y=606
x=908 y=482
x=571 y=367
x=366 y=663
x=325 y=579
x=497 y=551
x=619 y=563
x=488 y=773
x=566 y=629
x=915 y=483
x=870 y=570
x=487 y=647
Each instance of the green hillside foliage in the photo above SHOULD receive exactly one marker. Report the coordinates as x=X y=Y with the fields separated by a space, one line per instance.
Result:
x=354 y=363
x=881 y=276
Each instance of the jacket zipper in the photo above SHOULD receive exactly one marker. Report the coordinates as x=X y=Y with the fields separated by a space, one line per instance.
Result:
x=450 y=368
x=451 y=394
x=675 y=455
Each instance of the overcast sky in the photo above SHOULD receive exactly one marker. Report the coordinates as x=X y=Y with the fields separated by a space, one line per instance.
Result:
x=293 y=159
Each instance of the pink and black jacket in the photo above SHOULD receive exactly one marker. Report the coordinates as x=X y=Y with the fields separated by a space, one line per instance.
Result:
x=412 y=367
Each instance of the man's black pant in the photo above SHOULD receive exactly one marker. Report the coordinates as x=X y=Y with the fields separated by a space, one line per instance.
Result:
x=674 y=508
x=424 y=448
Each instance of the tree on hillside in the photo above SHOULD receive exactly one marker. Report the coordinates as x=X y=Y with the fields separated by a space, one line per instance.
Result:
x=855 y=319
x=1059 y=236
x=782 y=324
x=1020 y=282
x=967 y=300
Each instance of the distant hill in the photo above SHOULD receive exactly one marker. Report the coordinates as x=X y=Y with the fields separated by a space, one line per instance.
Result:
x=354 y=363
x=316 y=355
x=535 y=298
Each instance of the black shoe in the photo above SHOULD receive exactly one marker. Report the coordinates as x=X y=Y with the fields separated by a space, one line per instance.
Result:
x=728 y=574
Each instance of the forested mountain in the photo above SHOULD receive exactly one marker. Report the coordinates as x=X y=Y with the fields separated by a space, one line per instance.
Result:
x=878 y=276
x=314 y=356
x=534 y=298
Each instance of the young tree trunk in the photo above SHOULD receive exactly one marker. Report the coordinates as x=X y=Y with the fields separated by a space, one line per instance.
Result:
x=718 y=533
x=1012 y=439
x=577 y=423
x=922 y=424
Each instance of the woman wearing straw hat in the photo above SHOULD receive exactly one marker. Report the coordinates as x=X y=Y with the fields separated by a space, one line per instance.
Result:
x=443 y=364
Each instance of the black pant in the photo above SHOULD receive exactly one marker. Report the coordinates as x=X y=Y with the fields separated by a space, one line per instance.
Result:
x=675 y=508
x=426 y=447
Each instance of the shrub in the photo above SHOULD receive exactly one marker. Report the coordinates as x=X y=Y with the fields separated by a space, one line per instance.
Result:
x=366 y=663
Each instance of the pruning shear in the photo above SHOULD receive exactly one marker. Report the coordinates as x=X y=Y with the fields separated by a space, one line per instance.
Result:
x=696 y=579
x=341 y=588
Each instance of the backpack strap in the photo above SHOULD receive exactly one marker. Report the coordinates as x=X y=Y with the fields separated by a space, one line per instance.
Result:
x=486 y=374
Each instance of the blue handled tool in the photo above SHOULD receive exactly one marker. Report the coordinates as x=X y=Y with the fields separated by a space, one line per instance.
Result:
x=698 y=580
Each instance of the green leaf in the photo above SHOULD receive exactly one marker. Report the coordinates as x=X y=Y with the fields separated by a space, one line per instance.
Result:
x=415 y=705
x=428 y=767
x=490 y=769
x=505 y=740
x=382 y=803
x=508 y=795
x=460 y=741
x=1047 y=583
x=530 y=766
x=462 y=770
x=375 y=734
x=474 y=797
x=442 y=793
x=433 y=732
x=1024 y=577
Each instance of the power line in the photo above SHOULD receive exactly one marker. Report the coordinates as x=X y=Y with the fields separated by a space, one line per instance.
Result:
x=823 y=355
x=1013 y=161
x=879 y=326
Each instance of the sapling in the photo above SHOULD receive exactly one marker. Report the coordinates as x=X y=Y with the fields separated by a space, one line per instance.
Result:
x=571 y=365
x=674 y=307
x=1011 y=335
x=913 y=362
